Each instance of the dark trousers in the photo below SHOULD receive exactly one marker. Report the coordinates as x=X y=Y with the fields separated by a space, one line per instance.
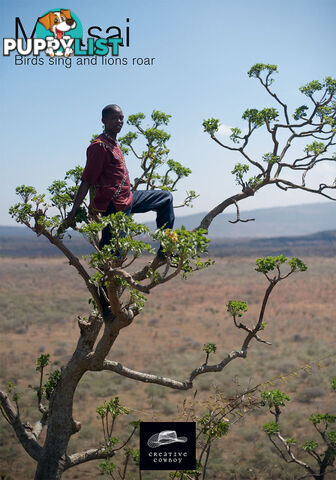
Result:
x=159 y=201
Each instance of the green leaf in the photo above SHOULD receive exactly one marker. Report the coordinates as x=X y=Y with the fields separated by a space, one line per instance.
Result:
x=311 y=87
x=330 y=85
x=257 y=118
x=211 y=125
x=316 y=418
x=331 y=436
x=300 y=112
x=42 y=361
x=268 y=264
x=210 y=348
x=239 y=171
x=50 y=385
x=74 y=174
x=128 y=139
x=136 y=119
x=113 y=407
x=236 y=308
x=213 y=427
x=270 y=158
x=107 y=467
x=25 y=192
x=256 y=69
x=297 y=264
x=160 y=118
x=274 y=398
x=333 y=383
x=309 y=445
x=235 y=135
x=271 y=428
x=316 y=148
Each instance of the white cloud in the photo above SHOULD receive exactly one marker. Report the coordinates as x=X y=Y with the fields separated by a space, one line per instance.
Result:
x=224 y=130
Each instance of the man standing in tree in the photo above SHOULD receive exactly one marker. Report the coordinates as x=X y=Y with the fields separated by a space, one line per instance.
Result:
x=107 y=174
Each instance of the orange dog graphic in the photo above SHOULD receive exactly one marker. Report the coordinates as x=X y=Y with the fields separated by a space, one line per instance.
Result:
x=58 y=23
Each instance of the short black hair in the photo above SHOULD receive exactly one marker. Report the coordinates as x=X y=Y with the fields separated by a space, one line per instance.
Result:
x=113 y=108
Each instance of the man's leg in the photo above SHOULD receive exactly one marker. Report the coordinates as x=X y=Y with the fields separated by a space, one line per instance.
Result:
x=159 y=201
x=105 y=240
x=106 y=232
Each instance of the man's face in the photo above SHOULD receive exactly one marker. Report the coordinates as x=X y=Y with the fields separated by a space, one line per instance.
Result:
x=114 y=121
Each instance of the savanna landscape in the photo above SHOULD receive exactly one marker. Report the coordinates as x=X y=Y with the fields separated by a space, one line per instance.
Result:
x=41 y=299
x=190 y=326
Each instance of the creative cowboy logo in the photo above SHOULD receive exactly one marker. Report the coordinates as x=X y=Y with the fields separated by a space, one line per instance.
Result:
x=164 y=438
x=167 y=445
x=58 y=32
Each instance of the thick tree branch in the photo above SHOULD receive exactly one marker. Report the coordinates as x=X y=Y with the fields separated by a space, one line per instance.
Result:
x=89 y=331
x=24 y=434
x=87 y=456
x=74 y=261
x=205 y=368
x=206 y=221
x=39 y=425
x=129 y=279
x=145 y=377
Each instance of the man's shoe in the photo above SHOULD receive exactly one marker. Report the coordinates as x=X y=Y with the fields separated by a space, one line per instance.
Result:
x=160 y=259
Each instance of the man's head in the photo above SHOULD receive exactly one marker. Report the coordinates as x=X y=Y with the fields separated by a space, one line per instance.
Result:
x=112 y=118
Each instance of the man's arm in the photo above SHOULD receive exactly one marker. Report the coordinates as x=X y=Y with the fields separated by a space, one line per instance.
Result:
x=95 y=158
x=81 y=194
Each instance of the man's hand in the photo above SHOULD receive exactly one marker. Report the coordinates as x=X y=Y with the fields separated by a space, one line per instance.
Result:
x=69 y=221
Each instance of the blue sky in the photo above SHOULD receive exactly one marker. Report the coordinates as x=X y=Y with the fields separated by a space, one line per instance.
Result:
x=202 y=52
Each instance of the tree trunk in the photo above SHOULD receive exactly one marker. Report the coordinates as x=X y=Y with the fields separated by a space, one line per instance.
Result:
x=60 y=422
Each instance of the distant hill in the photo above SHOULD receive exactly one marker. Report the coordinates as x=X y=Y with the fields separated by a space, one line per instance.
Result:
x=269 y=222
x=322 y=244
x=22 y=242
x=309 y=228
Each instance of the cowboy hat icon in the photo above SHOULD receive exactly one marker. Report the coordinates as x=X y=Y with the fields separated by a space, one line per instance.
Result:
x=164 y=438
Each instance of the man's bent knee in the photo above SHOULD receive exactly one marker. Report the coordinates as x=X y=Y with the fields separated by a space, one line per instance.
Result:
x=169 y=196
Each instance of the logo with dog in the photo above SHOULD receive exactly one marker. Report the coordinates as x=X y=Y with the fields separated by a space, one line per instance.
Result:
x=59 y=33
x=59 y=27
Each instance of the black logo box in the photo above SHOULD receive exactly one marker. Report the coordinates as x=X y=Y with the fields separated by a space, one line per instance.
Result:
x=179 y=454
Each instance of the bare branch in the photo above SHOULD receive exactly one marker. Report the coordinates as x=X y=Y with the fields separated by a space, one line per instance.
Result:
x=292 y=456
x=286 y=184
x=238 y=216
x=284 y=106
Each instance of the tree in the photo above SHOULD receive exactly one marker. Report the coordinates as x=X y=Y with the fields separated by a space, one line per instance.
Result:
x=323 y=455
x=125 y=290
